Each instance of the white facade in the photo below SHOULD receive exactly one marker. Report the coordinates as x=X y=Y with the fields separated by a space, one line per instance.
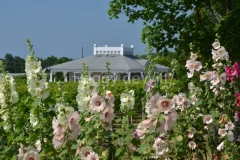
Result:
x=113 y=50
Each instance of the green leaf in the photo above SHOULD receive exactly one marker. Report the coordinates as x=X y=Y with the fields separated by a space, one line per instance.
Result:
x=143 y=148
x=118 y=151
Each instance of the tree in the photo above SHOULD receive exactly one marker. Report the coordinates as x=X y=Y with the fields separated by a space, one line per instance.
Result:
x=177 y=23
x=9 y=62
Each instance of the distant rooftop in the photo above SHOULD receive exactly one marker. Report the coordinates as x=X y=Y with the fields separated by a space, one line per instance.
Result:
x=121 y=50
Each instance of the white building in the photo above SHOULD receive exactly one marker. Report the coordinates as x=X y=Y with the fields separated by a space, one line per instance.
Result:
x=123 y=64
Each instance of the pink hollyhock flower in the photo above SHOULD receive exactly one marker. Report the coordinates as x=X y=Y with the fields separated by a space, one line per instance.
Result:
x=73 y=120
x=73 y=124
x=108 y=114
x=92 y=156
x=150 y=85
x=110 y=97
x=164 y=104
x=97 y=103
x=230 y=72
x=58 y=138
x=236 y=66
x=161 y=127
x=147 y=123
x=158 y=143
x=170 y=119
x=140 y=132
x=85 y=151
x=237 y=95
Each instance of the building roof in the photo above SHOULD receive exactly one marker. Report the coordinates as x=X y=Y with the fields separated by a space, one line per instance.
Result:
x=96 y=63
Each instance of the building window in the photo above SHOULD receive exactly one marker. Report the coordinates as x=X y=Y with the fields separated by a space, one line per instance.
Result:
x=104 y=52
x=107 y=52
x=118 y=52
x=111 y=52
x=115 y=52
x=97 y=52
x=100 y=52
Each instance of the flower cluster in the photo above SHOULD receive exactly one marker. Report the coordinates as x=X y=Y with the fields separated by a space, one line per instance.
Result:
x=85 y=88
x=8 y=97
x=69 y=131
x=127 y=100
x=193 y=65
x=30 y=152
x=36 y=78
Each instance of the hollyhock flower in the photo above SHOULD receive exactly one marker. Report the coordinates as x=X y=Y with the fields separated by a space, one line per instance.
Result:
x=220 y=146
x=14 y=97
x=191 y=133
x=221 y=52
x=31 y=155
x=140 y=133
x=97 y=103
x=222 y=132
x=79 y=148
x=190 y=74
x=223 y=78
x=88 y=119
x=33 y=120
x=197 y=66
x=38 y=145
x=170 y=119
x=206 y=76
x=191 y=86
x=160 y=127
x=92 y=156
x=164 y=104
x=73 y=120
x=230 y=72
x=85 y=151
x=207 y=119
x=237 y=95
x=215 y=81
x=190 y=65
x=108 y=114
x=229 y=126
x=216 y=45
x=150 y=85
x=58 y=138
x=110 y=97
x=237 y=67
x=147 y=123
x=192 y=145
x=157 y=143
x=230 y=136
x=21 y=152
x=193 y=56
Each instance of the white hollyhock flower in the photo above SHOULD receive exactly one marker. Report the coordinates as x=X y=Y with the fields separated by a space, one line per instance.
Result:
x=216 y=45
x=192 y=145
x=33 y=120
x=220 y=146
x=229 y=126
x=222 y=132
x=207 y=119
x=193 y=56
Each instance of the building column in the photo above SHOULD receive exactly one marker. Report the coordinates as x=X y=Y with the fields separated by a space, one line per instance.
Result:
x=114 y=76
x=142 y=76
x=50 y=80
x=65 y=76
x=129 y=75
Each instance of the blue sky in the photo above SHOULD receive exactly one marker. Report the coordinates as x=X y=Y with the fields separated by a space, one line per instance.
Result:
x=61 y=28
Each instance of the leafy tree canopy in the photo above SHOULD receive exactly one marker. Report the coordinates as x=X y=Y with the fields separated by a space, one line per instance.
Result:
x=177 y=23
